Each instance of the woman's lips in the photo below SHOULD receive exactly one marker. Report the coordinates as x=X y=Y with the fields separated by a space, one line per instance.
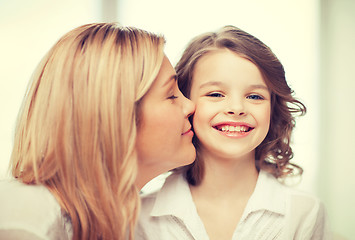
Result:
x=188 y=132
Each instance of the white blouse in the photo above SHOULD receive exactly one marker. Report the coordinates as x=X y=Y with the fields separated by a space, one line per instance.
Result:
x=31 y=212
x=274 y=211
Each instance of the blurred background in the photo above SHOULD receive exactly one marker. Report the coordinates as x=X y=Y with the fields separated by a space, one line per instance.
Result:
x=314 y=39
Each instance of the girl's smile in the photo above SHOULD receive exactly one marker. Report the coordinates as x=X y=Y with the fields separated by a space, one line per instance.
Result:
x=234 y=129
x=233 y=104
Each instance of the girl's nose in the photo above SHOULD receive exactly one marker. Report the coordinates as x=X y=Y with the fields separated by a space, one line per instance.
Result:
x=236 y=113
x=235 y=107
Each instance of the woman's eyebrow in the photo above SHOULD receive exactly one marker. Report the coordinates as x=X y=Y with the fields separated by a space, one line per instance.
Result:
x=173 y=77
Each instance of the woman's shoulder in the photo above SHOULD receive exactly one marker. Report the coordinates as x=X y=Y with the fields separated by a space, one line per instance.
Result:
x=29 y=198
x=30 y=208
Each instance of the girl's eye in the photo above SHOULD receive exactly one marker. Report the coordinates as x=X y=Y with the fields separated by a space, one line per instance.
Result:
x=255 y=97
x=214 y=95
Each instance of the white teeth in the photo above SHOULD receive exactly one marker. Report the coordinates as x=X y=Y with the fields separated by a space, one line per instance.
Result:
x=227 y=128
x=244 y=128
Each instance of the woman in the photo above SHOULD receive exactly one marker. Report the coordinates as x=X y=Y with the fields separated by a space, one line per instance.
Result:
x=103 y=116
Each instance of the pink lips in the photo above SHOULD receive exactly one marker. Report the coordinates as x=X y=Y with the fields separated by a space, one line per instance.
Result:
x=233 y=124
x=233 y=133
x=188 y=132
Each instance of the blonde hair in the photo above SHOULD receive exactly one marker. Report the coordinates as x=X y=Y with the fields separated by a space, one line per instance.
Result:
x=76 y=130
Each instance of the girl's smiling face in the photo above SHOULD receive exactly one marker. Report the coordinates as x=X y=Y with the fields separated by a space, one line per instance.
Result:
x=233 y=105
x=164 y=135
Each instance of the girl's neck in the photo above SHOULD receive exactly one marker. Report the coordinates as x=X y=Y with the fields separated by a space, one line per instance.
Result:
x=225 y=176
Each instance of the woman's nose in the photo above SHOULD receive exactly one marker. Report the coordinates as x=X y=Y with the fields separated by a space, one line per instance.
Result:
x=188 y=106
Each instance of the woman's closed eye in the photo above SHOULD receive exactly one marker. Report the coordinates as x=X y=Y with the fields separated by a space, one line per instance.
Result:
x=172 y=97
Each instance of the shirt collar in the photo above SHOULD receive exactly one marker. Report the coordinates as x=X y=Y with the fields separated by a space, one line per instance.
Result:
x=269 y=194
x=175 y=198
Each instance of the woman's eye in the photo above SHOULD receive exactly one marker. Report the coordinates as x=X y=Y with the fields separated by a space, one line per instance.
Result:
x=255 y=97
x=214 y=95
x=172 y=97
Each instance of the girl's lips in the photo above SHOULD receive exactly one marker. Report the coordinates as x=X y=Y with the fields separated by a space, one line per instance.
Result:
x=234 y=134
x=234 y=129
x=234 y=124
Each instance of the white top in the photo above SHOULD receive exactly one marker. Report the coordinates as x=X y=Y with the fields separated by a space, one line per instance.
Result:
x=31 y=211
x=274 y=211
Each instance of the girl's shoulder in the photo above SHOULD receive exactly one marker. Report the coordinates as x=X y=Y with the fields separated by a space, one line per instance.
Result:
x=292 y=192
x=301 y=198
x=304 y=213
x=30 y=208
x=304 y=202
x=305 y=205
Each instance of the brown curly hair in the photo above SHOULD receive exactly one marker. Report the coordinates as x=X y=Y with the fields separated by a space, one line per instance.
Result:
x=274 y=153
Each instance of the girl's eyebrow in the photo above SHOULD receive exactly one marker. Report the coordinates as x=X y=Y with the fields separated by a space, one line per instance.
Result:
x=216 y=83
x=258 y=86
x=213 y=83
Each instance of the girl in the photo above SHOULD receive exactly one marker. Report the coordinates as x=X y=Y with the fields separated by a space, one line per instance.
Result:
x=102 y=105
x=243 y=123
